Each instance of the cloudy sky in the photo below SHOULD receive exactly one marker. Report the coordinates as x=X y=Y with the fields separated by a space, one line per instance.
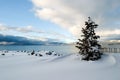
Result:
x=58 y=20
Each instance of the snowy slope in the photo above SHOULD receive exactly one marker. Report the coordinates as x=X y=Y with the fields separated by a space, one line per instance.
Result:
x=22 y=66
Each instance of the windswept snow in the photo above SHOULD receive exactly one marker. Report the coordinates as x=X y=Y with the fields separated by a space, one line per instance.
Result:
x=21 y=66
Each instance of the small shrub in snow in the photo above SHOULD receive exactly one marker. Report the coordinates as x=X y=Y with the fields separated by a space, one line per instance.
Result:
x=3 y=54
x=58 y=54
x=49 y=53
x=40 y=55
x=33 y=52
x=55 y=54
x=25 y=51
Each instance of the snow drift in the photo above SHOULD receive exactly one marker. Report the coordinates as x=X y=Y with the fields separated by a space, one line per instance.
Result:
x=21 y=66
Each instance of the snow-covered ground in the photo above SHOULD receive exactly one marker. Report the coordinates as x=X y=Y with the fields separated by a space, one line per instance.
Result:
x=21 y=66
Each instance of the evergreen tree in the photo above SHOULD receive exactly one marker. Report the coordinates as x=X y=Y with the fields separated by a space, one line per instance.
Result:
x=88 y=45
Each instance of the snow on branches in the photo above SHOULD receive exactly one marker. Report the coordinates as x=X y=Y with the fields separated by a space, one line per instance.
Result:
x=88 y=46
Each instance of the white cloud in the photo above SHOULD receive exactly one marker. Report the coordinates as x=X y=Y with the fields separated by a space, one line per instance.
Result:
x=71 y=14
x=6 y=43
x=32 y=33
x=24 y=29
x=109 y=32
x=3 y=28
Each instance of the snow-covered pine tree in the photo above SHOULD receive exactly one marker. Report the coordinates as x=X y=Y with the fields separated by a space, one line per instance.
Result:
x=88 y=46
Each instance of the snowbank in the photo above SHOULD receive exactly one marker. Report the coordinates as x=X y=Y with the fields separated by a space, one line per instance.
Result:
x=16 y=65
